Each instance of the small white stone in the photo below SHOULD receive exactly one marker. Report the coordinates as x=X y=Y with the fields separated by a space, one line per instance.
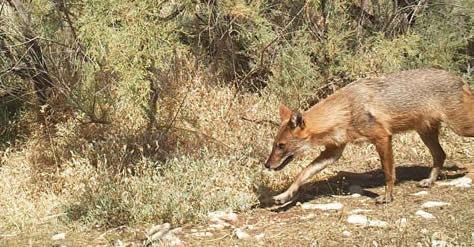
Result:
x=221 y=217
x=365 y=221
x=424 y=214
x=177 y=229
x=420 y=193
x=378 y=223
x=260 y=236
x=440 y=243
x=59 y=236
x=359 y=210
x=309 y=216
x=241 y=234
x=346 y=233
x=163 y=228
x=358 y=219
x=463 y=182
x=431 y=204
x=202 y=234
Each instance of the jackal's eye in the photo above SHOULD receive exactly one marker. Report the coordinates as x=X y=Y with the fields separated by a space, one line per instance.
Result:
x=281 y=146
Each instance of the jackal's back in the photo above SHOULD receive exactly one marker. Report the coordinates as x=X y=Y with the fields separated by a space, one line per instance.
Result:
x=412 y=100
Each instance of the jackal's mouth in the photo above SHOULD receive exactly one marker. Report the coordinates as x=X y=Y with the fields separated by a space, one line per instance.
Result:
x=285 y=162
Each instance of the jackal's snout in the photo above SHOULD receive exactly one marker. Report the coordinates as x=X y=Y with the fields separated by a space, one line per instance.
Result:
x=276 y=163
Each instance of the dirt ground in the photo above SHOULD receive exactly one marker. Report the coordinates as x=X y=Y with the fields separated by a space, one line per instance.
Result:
x=292 y=225
x=452 y=222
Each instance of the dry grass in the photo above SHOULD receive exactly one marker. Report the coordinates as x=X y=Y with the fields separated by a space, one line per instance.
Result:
x=109 y=182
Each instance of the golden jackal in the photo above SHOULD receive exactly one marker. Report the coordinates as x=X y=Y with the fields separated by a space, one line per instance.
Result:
x=373 y=110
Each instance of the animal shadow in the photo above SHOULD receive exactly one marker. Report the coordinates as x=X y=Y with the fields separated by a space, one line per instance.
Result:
x=346 y=183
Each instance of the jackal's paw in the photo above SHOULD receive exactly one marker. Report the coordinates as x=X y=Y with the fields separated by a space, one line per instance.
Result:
x=282 y=198
x=425 y=183
x=383 y=199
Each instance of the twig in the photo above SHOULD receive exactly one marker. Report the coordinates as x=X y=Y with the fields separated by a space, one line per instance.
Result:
x=260 y=121
x=216 y=239
x=414 y=11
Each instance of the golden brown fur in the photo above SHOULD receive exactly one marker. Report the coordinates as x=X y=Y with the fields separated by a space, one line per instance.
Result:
x=373 y=110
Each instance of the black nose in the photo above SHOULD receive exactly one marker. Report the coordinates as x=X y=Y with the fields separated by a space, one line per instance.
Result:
x=267 y=165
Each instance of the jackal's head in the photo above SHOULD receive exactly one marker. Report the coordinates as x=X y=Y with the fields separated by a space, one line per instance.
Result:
x=291 y=139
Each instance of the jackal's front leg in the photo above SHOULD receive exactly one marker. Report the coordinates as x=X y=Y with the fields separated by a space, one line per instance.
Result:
x=327 y=157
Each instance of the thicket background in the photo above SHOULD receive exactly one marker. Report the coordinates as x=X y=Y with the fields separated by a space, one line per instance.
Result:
x=116 y=112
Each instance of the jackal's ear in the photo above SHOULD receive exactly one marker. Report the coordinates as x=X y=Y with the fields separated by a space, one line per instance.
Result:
x=285 y=112
x=296 y=120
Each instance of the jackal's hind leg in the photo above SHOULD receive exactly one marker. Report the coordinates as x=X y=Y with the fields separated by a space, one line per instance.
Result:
x=430 y=138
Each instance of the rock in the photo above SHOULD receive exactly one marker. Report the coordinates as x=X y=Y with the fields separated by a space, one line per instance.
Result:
x=440 y=243
x=358 y=210
x=163 y=233
x=464 y=182
x=431 y=204
x=241 y=234
x=420 y=193
x=328 y=206
x=158 y=231
x=202 y=234
x=357 y=219
x=309 y=216
x=224 y=218
x=424 y=214
x=365 y=221
x=260 y=236
x=346 y=233
x=59 y=236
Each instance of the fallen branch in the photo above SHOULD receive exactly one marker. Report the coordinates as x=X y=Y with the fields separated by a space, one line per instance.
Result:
x=260 y=121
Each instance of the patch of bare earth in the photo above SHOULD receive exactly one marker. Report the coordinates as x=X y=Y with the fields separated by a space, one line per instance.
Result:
x=394 y=224
x=336 y=211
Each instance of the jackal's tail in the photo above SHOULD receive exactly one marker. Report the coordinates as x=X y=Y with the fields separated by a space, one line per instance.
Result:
x=463 y=122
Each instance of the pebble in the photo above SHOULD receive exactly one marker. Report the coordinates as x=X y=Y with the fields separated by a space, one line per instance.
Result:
x=431 y=204
x=59 y=236
x=241 y=234
x=420 y=193
x=359 y=210
x=424 y=214
x=260 y=236
x=365 y=221
x=463 y=182
x=346 y=233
